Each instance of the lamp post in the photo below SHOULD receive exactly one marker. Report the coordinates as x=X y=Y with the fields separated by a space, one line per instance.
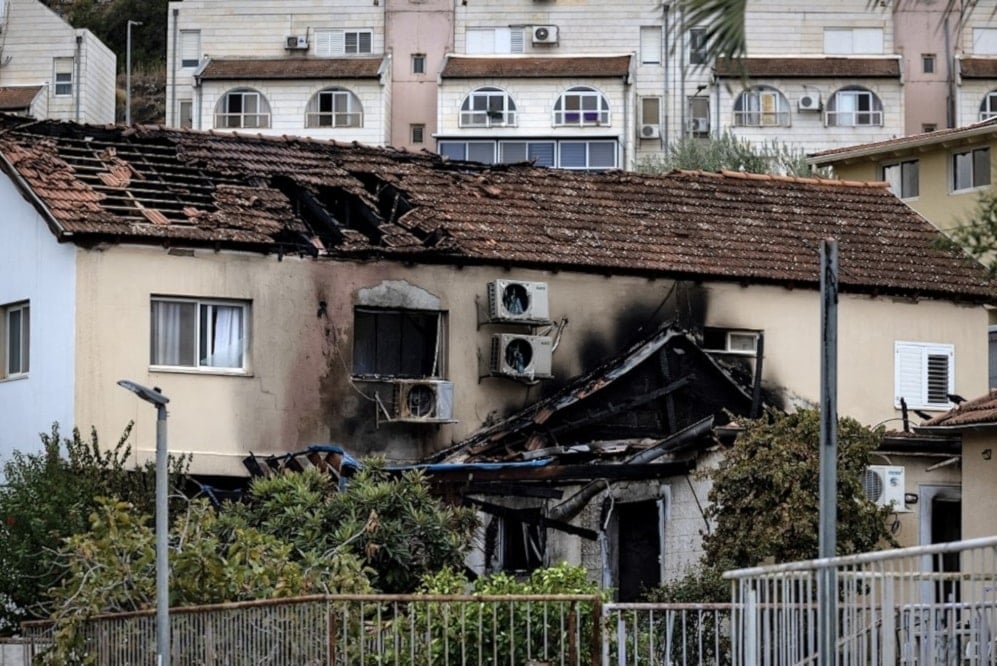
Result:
x=155 y=397
x=128 y=73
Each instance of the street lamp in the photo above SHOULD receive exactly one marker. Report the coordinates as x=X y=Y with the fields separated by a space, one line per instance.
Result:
x=128 y=74
x=155 y=397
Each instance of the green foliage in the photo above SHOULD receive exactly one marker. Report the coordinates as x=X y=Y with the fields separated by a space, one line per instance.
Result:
x=773 y=471
x=109 y=22
x=724 y=21
x=48 y=497
x=729 y=153
x=977 y=234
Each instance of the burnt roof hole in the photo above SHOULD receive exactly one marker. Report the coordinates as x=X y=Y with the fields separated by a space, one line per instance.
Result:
x=391 y=201
x=321 y=222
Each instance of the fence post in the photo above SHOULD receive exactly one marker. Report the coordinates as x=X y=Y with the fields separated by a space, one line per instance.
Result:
x=333 y=630
x=597 y=642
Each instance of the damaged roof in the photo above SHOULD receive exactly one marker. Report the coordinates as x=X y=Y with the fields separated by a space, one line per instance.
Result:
x=328 y=199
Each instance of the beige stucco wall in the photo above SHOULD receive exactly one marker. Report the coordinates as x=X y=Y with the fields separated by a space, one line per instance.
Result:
x=979 y=483
x=299 y=391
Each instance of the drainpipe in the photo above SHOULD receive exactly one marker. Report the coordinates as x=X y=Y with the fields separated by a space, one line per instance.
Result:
x=76 y=76
x=173 y=68
x=680 y=44
x=666 y=63
x=950 y=77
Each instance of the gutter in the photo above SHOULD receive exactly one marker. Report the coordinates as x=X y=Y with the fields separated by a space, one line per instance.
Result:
x=904 y=146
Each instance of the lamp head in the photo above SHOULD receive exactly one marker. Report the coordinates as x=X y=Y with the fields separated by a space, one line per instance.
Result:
x=153 y=396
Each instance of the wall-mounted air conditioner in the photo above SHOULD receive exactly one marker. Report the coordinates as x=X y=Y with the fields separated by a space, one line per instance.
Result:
x=296 y=43
x=699 y=125
x=809 y=102
x=544 y=34
x=885 y=485
x=423 y=400
x=527 y=356
x=513 y=300
x=650 y=131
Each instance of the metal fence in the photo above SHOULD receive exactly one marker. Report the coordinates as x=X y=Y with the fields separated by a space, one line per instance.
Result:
x=652 y=634
x=923 y=605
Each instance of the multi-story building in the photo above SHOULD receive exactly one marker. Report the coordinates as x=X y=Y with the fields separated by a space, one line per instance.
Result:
x=48 y=69
x=579 y=84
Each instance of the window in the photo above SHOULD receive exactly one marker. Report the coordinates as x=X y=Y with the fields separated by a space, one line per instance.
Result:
x=992 y=346
x=63 y=76
x=523 y=541
x=190 y=48
x=699 y=116
x=581 y=106
x=988 y=108
x=928 y=127
x=590 y=155
x=928 y=63
x=697 y=46
x=186 y=113
x=343 y=42
x=16 y=336
x=650 y=45
x=334 y=107
x=199 y=334
x=903 y=178
x=854 y=107
x=418 y=63
x=484 y=41
x=397 y=343
x=417 y=133
x=850 y=41
x=650 y=111
x=471 y=151
x=541 y=153
x=925 y=374
x=761 y=107
x=985 y=41
x=971 y=168
x=731 y=341
x=242 y=108
x=488 y=107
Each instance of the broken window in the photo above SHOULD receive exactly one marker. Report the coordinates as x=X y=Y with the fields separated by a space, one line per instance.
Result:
x=397 y=343
x=522 y=542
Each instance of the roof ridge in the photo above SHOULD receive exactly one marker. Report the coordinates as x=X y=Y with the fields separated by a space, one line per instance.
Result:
x=784 y=178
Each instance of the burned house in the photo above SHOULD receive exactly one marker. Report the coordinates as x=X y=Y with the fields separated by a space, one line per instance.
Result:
x=285 y=292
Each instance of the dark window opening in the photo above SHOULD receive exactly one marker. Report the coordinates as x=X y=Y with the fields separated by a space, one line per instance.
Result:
x=396 y=343
x=522 y=542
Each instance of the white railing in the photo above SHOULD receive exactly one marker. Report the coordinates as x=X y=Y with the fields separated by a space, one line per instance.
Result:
x=924 y=605
x=645 y=634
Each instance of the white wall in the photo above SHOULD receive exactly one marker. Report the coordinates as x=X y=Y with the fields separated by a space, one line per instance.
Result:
x=37 y=268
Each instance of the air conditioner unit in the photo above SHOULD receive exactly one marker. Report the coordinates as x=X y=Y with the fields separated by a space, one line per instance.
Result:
x=512 y=300
x=522 y=355
x=544 y=34
x=885 y=485
x=699 y=125
x=649 y=131
x=296 y=43
x=423 y=400
x=810 y=102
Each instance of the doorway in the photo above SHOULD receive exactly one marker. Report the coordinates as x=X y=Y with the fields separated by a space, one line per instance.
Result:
x=639 y=540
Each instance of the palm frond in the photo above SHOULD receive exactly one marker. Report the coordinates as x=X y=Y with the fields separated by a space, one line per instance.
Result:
x=724 y=23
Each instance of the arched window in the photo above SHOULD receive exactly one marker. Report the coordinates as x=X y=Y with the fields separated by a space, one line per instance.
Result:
x=854 y=107
x=242 y=108
x=334 y=107
x=488 y=107
x=988 y=108
x=581 y=106
x=761 y=106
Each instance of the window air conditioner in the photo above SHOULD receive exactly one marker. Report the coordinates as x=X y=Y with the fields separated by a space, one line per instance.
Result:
x=650 y=131
x=544 y=34
x=810 y=102
x=423 y=400
x=527 y=356
x=699 y=125
x=885 y=485
x=296 y=43
x=511 y=300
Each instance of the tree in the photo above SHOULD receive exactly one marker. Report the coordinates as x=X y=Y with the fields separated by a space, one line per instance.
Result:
x=729 y=153
x=764 y=498
x=977 y=234
x=109 y=22
x=48 y=497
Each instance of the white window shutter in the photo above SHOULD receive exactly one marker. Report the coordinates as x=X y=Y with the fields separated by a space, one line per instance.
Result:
x=517 y=40
x=924 y=374
x=650 y=44
x=837 y=40
x=323 y=42
x=480 y=40
x=867 y=40
x=503 y=40
x=985 y=41
x=909 y=368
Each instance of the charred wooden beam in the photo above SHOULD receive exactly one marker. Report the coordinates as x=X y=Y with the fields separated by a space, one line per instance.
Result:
x=533 y=519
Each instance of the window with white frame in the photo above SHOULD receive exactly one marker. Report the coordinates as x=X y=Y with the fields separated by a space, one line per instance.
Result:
x=761 y=106
x=186 y=110
x=16 y=336
x=63 y=76
x=698 y=46
x=337 y=42
x=650 y=44
x=924 y=374
x=988 y=107
x=699 y=116
x=854 y=107
x=971 y=168
x=199 y=334
x=903 y=177
x=190 y=48
x=398 y=343
x=334 y=107
x=242 y=108
x=650 y=111
x=488 y=107
x=851 y=41
x=485 y=41
x=731 y=340
x=581 y=106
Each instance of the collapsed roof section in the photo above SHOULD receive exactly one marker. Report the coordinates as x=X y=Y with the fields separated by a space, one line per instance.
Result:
x=287 y=195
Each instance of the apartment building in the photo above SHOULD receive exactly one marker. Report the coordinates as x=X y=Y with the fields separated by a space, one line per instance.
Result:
x=577 y=85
